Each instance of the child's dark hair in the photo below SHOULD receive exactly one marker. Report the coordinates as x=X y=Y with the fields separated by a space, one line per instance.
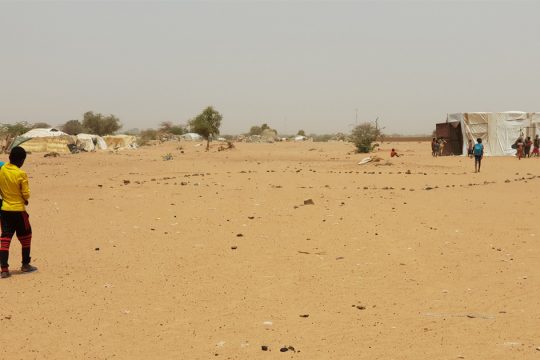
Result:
x=479 y=140
x=17 y=155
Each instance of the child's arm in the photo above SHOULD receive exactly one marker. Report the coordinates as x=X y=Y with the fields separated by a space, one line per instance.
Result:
x=25 y=189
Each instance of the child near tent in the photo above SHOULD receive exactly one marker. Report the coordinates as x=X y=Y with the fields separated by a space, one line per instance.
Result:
x=435 y=147
x=527 y=147
x=519 y=147
x=536 y=143
x=470 y=149
x=478 y=155
x=442 y=143
x=14 y=218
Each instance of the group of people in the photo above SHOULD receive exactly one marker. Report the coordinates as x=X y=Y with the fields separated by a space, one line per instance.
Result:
x=523 y=146
x=437 y=146
x=13 y=216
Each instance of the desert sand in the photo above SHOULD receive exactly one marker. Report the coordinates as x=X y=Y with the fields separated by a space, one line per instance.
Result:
x=214 y=255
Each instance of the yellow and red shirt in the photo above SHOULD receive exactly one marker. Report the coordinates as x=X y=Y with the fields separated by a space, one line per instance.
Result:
x=13 y=188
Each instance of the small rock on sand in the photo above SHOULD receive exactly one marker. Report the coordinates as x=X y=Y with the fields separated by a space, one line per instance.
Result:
x=309 y=202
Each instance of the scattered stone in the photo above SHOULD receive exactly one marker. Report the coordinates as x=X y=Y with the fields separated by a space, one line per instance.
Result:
x=234 y=247
x=126 y=182
x=8 y=317
x=408 y=172
x=96 y=249
x=52 y=154
x=309 y=202
x=99 y=185
x=340 y=258
x=183 y=183
x=264 y=348
x=251 y=217
x=428 y=188
x=284 y=349
x=304 y=315
x=239 y=235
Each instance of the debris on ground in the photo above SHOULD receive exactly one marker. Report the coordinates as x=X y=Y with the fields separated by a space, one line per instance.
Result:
x=52 y=154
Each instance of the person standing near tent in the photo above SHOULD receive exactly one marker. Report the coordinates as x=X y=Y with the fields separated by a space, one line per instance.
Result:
x=527 y=147
x=14 y=218
x=434 y=147
x=478 y=155
x=536 y=149
x=519 y=147
x=442 y=142
x=470 y=149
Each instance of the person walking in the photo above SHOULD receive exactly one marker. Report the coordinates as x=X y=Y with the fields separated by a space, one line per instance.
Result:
x=13 y=216
x=478 y=155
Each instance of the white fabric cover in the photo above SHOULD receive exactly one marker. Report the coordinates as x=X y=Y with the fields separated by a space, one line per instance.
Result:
x=43 y=133
x=498 y=131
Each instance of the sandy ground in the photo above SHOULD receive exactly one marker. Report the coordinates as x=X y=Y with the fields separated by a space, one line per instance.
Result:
x=213 y=255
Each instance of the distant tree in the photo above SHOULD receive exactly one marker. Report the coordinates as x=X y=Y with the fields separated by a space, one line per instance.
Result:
x=206 y=124
x=133 y=132
x=364 y=135
x=41 y=125
x=169 y=128
x=146 y=135
x=73 y=127
x=255 y=130
x=14 y=130
x=301 y=133
x=100 y=124
x=264 y=127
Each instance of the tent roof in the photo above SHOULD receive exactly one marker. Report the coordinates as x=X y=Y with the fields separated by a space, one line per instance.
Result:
x=43 y=133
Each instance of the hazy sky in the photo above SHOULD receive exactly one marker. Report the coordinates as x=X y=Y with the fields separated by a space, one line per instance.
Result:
x=292 y=64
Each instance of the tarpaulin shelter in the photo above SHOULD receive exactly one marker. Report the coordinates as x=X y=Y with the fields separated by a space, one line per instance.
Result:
x=498 y=131
x=90 y=142
x=191 y=137
x=119 y=142
x=44 y=140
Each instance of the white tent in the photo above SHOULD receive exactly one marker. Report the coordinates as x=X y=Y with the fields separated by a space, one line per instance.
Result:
x=498 y=131
x=191 y=137
x=34 y=133
x=44 y=140
x=90 y=142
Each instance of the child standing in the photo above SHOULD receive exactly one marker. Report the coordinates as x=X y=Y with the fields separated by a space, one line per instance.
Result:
x=478 y=155
x=470 y=149
x=14 y=218
x=536 y=146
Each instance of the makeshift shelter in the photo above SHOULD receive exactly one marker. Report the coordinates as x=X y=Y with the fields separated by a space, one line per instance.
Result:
x=300 y=138
x=119 y=142
x=451 y=132
x=44 y=140
x=498 y=131
x=90 y=142
x=191 y=137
